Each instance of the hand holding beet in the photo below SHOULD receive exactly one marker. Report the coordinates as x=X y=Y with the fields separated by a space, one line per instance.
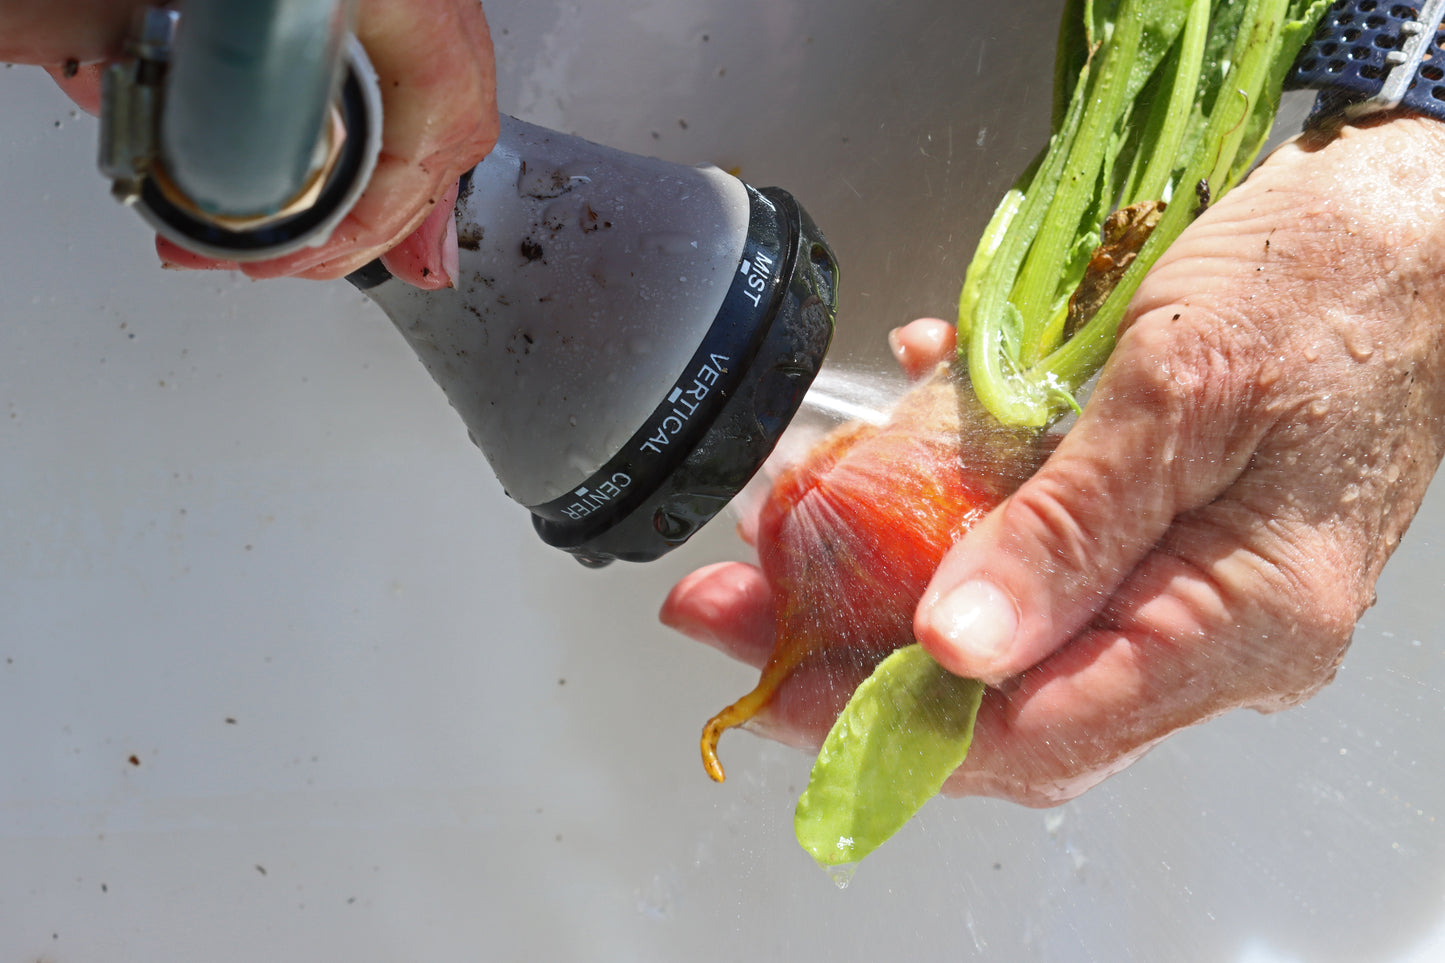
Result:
x=1208 y=533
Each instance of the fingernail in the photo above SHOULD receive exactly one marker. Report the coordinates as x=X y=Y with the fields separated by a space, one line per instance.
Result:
x=451 y=258
x=434 y=265
x=979 y=619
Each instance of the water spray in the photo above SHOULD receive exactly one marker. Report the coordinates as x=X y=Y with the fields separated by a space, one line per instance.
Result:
x=626 y=338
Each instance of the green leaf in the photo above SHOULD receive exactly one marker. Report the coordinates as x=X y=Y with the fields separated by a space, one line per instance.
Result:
x=906 y=729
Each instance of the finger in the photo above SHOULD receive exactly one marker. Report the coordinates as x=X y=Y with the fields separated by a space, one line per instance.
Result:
x=46 y=32
x=728 y=606
x=439 y=79
x=1223 y=600
x=428 y=257
x=80 y=82
x=1087 y=714
x=922 y=345
x=1064 y=728
x=382 y=218
x=1118 y=688
x=340 y=255
x=1160 y=436
x=439 y=104
x=175 y=257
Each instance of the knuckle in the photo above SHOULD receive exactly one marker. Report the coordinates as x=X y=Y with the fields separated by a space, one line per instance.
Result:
x=1184 y=361
x=1047 y=519
x=1199 y=380
x=1312 y=626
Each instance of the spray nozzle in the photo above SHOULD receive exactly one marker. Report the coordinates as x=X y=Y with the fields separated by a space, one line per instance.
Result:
x=626 y=339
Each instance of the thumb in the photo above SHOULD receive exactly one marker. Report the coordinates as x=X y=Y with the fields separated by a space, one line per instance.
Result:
x=1032 y=573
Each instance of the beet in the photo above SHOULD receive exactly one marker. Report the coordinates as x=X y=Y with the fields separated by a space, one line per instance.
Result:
x=849 y=536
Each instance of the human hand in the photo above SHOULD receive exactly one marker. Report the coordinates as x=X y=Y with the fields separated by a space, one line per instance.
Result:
x=1208 y=533
x=438 y=91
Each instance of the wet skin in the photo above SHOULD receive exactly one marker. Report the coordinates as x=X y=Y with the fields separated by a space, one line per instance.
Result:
x=1208 y=534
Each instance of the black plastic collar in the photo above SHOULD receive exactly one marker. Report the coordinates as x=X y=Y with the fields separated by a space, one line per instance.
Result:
x=723 y=415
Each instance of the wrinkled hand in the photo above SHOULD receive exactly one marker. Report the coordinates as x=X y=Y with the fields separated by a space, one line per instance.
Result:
x=438 y=91
x=1208 y=533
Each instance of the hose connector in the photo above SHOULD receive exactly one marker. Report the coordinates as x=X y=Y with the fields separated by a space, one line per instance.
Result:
x=172 y=158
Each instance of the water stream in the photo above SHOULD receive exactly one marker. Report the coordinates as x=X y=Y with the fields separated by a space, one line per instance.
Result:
x=853 y=394
x=838 y=394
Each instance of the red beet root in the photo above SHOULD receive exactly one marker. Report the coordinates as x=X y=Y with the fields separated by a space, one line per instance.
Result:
x=849 y=537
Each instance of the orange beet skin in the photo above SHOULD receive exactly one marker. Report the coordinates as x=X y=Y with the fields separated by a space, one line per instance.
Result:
x=850 y=536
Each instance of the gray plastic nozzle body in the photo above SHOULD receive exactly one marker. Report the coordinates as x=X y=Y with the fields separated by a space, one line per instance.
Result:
x=588 y=278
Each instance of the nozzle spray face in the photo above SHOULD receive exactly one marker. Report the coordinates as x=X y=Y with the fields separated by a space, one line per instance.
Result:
x=626 y=339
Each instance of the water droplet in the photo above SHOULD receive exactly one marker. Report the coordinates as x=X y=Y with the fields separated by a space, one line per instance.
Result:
x=1359 y=346
x=580 y=461
x=841 y=874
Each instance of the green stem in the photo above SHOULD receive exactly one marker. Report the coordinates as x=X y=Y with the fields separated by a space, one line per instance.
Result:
x=989 y=334
x=1037 y=290
x=1015 y=302
x=1216 y=160
x=1177 y=110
